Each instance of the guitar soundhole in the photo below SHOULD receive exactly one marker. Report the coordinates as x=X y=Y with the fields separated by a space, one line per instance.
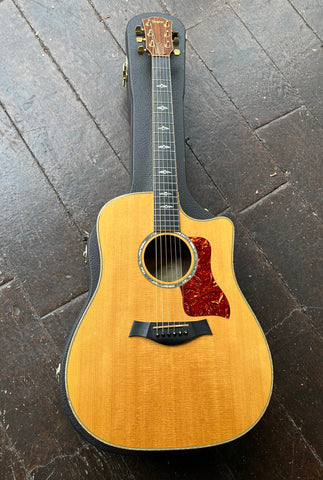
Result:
x=168 y=259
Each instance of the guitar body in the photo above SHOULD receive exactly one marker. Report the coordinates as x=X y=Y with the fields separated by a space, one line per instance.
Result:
x=131 y=392
x=166 y=354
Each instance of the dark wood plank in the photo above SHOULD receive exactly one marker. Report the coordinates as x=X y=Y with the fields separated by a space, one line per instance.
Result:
x=273 y=449
x=191 y=13
x=312 y=12
x=64 y=138
x=297 y=352
x=119 y=13
x=315 y=313
x=91 y=60
x=290 y=235
x=250 y=78
x=267 y=294
x=196 y=465
x=219 y=137
x=11 y=466
x=59 y=323
x=41 y=242
x=201 y=185
x=290 y=43
x=296 y=141
x=5 y=275
x=86 y=462
x=29 y=391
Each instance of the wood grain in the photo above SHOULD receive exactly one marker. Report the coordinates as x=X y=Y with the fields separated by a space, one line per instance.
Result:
x=137 y=394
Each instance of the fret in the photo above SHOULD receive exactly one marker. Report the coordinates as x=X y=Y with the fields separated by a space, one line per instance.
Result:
x=173 y=218
x=171 y=222
x=170 y=201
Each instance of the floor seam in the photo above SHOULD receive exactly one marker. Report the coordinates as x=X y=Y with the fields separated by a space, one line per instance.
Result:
x=264 y=197
x=263 y=49
x=280 y=117
x=69 y=83
x=66 y=304
x=67 y=213
x=290 y=418
x=306 y=23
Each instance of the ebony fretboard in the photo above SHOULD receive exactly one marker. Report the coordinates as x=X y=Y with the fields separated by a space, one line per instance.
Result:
x=166 y=207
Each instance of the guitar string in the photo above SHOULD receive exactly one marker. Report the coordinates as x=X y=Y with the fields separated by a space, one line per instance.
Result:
x=163 y=155
x=157 y=239
x=174 y=239
x=156 y=199
x=167 y=214
x=161 y=214
x=167 y=218
x=170 y=214
x=178 y=252
x=168 y=188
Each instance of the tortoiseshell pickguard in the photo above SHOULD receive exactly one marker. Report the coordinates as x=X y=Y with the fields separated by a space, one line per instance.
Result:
x=202 y=295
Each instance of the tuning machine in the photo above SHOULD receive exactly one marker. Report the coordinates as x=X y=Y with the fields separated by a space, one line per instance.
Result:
x=141 y=49
x=139 y=30
x=175 y=38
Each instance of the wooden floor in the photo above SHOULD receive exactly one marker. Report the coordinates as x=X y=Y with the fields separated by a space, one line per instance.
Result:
x=254 y=136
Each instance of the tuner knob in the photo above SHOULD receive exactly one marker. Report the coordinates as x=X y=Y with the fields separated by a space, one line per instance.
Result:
x=141 y=50
x=138 y=30
x=176 y=41
x=177 y=51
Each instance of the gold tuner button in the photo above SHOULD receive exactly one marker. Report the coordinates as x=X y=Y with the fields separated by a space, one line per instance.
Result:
x=176 y=41
x=125 y=73
x=139 y=39
x=85 y=255
x=177 y=51
x=141 y=50
x=138 y=30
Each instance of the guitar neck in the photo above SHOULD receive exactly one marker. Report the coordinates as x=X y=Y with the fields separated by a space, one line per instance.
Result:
x=166 y=205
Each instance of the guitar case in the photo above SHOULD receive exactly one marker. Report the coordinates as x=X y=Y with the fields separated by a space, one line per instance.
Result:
x=139 y=103
x=139 y=99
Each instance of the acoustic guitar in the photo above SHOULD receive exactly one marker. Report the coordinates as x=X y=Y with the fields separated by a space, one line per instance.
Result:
x=167 y=354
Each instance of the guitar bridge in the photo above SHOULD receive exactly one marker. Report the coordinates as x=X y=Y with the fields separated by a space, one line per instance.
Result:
x=170 y=333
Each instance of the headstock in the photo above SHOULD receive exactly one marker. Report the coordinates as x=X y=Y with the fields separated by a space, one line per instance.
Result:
x=159 y=37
